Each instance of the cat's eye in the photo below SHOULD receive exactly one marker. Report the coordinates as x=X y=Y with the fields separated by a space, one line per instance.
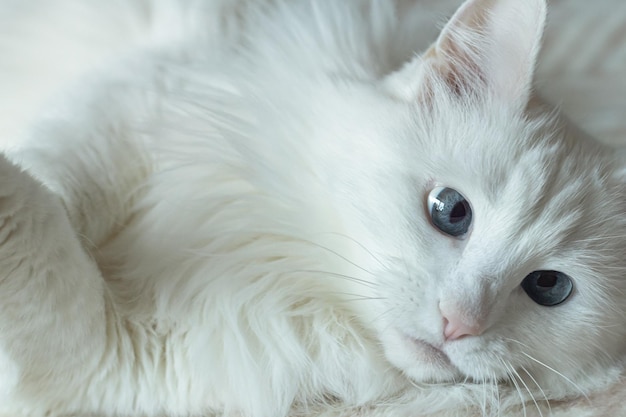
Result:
x=548 y=288
x=449 y=211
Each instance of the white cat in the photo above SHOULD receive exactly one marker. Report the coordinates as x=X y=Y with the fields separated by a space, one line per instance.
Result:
x=276 y=208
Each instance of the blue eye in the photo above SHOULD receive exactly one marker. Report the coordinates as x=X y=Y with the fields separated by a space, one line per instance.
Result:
x=548 y=288
x=449 y=211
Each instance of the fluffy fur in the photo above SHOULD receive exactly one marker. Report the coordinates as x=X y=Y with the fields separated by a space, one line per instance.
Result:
x=229 y=218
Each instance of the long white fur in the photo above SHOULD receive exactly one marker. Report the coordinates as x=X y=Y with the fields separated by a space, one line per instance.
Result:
x=227 y=216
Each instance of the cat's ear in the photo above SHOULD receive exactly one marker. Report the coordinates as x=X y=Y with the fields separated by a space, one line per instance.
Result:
x=487 y=47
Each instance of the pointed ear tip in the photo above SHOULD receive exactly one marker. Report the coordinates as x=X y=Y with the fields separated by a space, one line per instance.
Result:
x=535 y=10
x=542 y=6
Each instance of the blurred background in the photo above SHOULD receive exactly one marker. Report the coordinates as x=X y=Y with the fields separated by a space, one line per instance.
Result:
x=582 y=67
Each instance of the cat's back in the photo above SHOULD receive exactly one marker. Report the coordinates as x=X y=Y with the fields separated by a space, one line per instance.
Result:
x=46 y=47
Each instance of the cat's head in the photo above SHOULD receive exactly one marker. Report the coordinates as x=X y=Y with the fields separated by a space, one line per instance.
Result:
x=492 y=235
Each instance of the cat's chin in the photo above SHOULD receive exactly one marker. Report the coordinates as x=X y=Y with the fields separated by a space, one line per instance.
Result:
x=418 y=359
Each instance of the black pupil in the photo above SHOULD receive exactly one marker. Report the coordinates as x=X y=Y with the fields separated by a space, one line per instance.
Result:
x=458 y=212
x=546 y=280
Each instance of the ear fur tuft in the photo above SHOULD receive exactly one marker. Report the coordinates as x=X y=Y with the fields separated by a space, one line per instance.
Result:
x=489 y=47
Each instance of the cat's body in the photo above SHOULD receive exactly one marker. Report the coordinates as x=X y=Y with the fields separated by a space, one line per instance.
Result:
x=235 y=221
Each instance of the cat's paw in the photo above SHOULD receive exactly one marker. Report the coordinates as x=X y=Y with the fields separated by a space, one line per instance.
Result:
x=51 y=299
x=25 y=206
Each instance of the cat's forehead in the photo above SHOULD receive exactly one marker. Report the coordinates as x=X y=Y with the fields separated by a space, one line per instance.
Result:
x=526 y=175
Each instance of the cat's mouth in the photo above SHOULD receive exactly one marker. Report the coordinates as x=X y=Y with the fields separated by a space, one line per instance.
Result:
x=434 y=365
x=419 y=359
x=430 y=352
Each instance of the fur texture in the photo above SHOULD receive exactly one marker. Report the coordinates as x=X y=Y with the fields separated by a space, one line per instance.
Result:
x=229 y=217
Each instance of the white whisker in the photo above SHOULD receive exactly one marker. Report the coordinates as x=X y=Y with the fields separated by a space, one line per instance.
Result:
x=539 y=387
x=532 y=397
x=496 y=387
x=341 y=256
x=484 y=402
x=369 y=252
x=518 y=342
x=364 y=282
x=557 y=373
x=358 y=297
x=515 y=384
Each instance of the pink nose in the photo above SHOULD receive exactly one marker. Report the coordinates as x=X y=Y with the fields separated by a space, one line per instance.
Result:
x=454 y=328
